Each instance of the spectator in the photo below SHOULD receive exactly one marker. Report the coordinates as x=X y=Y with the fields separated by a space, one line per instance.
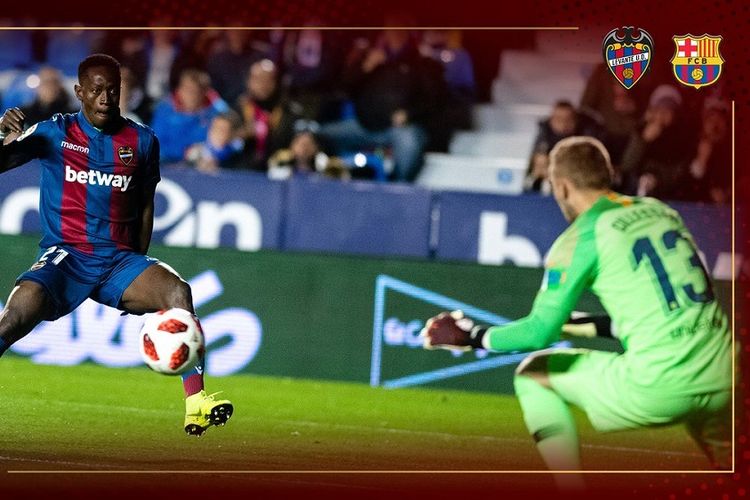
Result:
x=615 y=108
x=232 y=58
x=51 y=97
x=563 y=122
x=444 y=47
x=302 y=158
x=394 y=91
x=134 y=102
x=161 y=53
x=159 y=57
x=267 y=122
x=131 y=49
x=653 y=160
x=312 y=59
x=182 y=119
x=707 y=175
x=336 y=169
x=222 y=147
x=195 y=50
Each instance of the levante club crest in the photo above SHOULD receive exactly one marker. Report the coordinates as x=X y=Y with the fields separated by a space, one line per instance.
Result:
x=126 y=154
x=628 y=52
x=697 y=61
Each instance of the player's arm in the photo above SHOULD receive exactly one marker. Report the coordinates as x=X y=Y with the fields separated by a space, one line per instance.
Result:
x=147 y=200
x=571 y=267
x=147 y=222
x=16 y=146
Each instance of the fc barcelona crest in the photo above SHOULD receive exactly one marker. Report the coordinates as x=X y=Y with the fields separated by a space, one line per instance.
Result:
x=697 y=61
x=126 y=154
x=628 y=52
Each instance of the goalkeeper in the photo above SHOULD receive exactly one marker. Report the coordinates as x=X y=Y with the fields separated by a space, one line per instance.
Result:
x=637 y=256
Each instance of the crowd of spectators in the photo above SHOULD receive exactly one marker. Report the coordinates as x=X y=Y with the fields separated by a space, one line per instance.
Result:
x=664 y=141
x=236 y=98
x=369 y=104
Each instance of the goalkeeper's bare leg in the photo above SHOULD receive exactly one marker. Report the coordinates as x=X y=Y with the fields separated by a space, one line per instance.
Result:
x=549 y=421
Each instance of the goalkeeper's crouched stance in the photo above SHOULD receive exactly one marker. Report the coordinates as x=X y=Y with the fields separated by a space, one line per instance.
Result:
x=636 y=255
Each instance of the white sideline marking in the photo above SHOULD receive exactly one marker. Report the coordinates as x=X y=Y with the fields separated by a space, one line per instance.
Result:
x=360 y=428
x=60 y=462
x=447 y=435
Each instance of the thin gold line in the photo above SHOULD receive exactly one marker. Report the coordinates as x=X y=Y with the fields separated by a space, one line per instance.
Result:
x=285 y=28
x=352 y=472
x=734 y=354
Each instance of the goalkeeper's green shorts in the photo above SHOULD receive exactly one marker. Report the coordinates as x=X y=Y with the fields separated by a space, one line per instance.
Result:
x=598 y=382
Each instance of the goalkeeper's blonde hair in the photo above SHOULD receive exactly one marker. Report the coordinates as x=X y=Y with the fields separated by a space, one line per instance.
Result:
x=584 y=161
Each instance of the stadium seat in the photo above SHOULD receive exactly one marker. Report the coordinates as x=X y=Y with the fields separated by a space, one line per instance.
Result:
x=493 y=144
x=485 y=174
x=509 y=118
x=531 y=77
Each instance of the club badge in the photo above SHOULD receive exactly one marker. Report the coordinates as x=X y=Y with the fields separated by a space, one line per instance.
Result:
x=38 y=265
x=628 y=52
x=697 y=61
x=126 y=154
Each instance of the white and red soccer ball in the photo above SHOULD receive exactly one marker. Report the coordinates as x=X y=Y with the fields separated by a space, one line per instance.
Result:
x=172 y=341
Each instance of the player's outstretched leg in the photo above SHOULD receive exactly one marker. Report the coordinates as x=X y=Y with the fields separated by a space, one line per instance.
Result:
x=27 y=305
x=160 y=287
x=202 y=410
x=549 y=421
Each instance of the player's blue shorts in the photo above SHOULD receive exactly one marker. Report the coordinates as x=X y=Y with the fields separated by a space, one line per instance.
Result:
x=70 y=276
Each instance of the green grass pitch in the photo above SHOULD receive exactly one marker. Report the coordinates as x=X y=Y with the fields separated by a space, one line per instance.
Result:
x=88 y=425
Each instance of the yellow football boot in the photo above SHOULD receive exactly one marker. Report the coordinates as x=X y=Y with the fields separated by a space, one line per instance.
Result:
x=204 y=410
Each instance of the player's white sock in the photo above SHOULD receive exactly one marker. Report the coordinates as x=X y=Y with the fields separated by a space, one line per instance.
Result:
x=551 y=424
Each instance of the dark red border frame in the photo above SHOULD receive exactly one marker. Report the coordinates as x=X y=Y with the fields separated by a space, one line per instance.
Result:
x=661 y=19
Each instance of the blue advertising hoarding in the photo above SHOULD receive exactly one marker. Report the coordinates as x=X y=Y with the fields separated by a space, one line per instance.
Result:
x=247 y=211
x=361 y=218
x=493 y=229
x=235 y=209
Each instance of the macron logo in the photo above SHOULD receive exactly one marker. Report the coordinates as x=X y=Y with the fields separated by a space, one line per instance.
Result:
x=97 y=178
x=75 y=147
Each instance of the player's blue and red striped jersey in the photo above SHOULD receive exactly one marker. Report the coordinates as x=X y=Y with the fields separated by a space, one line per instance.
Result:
x=93 y=183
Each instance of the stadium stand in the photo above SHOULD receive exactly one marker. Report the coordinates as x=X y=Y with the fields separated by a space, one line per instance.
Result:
x=490 y=154
x=500 y=143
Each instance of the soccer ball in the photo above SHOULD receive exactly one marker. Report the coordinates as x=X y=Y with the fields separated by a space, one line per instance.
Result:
x=171 y=341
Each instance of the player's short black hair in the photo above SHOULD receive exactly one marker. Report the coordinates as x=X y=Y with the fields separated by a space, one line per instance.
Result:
x=97 y=61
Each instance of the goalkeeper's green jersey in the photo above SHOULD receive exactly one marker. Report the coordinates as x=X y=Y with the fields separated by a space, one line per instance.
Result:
x=637 y=256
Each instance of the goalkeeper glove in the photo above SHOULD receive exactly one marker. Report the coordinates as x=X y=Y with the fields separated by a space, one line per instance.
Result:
x=586 y=325
x=452 y=331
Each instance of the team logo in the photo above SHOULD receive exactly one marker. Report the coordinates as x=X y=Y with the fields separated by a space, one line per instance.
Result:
x=628 y=55
x=38 y=265
x=697 y=61
x=126 y=154
x=27 y=133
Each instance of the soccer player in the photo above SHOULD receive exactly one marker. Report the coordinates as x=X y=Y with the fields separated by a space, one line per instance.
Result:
x=99 y=175
x=637 y=256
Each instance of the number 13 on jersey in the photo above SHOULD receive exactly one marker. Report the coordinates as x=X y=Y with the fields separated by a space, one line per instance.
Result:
x=666 y=248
